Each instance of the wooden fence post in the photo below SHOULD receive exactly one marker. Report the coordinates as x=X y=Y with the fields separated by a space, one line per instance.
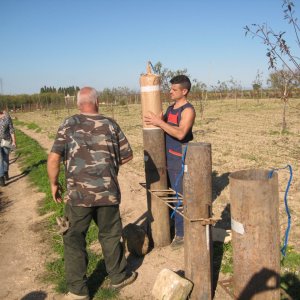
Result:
x=155 y=160
x=197 y=195
x=254 y=207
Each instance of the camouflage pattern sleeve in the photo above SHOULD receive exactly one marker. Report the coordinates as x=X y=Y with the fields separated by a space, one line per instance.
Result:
x=60 y=140
x=123 y=148
x=10 y=125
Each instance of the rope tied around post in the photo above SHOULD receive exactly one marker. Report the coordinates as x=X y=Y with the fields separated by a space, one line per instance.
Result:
x=287 y=231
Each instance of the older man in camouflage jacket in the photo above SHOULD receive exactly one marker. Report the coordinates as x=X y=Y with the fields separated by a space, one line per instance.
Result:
x=92 y=147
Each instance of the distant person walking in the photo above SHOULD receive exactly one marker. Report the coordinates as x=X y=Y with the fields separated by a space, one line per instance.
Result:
x=177 y=123
x=92 y=147
x=8 y=141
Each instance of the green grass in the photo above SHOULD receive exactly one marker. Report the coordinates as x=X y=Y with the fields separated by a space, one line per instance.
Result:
x=18 y=122
x=274 y=132
x=51 y=136
x=249 y=156
x=222 y=255
x=31 y=125
x=34 y=127
x=33 y=162
x=227 y=262
x=289 y=274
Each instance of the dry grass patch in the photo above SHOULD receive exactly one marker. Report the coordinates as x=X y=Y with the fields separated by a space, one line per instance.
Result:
x=243 y=135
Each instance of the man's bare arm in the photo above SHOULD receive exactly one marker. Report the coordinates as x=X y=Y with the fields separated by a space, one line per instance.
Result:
x=186 y=123
x=53 y=165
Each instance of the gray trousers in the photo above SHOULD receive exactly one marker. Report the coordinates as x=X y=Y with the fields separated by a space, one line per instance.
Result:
x=109 y=223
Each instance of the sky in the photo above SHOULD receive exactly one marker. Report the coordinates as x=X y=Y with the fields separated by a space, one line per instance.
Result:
x=107 y=43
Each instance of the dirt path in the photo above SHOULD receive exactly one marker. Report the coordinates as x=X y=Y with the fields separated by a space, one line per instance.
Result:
x=22 y=250
x=23 y=253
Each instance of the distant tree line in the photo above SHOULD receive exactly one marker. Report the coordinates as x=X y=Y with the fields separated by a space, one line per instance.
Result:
x=45 y=101
x=71 y=90
x=117 y=96
x=51 y=98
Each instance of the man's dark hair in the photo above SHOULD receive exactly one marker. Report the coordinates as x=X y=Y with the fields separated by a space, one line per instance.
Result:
x=183 y=80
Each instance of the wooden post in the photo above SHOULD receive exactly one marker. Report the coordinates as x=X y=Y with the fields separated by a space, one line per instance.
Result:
x=155 y=161
x=197 y=192
x=156 y=179
x=254 y=209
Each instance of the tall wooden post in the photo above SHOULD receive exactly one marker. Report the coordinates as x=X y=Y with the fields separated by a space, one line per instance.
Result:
x=155 y=160
x=254 y=207
x=197 y=192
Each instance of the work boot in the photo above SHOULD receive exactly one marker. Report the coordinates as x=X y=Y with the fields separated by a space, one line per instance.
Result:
x=71 y=296
x=130 y=278
x=6 y=176
x=177 y=242
x=2 y=181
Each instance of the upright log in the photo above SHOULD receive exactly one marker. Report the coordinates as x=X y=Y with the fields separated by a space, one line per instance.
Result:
x=197 y=191
x=155 y=160
x=254 y=209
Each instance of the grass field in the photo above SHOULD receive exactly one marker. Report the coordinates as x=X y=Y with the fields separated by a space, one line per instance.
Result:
x=246 y=135
x=243 y=135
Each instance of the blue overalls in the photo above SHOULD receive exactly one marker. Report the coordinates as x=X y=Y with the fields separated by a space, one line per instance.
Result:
x=174 y=157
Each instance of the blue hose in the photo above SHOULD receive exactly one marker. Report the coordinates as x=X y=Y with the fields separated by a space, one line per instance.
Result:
x=287 y=231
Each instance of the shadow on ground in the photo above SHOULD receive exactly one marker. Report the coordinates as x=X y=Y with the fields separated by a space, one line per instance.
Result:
x=96 y=279
x=36 y=295
x=4 y=203
x=219 y=183
x=25 y=172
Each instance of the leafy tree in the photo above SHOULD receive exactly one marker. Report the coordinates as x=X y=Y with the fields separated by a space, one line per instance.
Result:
x=107 y=96
x=283 y=81
x=166 y=75
x=71 y=90
x=119 y=95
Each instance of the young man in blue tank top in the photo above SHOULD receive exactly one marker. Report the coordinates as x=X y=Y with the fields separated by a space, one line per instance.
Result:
x=177 y=123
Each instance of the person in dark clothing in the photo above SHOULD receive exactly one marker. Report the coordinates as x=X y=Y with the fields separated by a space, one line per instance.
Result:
x=177 y=123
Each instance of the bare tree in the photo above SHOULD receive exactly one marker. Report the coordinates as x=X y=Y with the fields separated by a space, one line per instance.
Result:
x=234 y=87
x=278 y=49
x=257 y=85
x=199 y=89
x=284 y=81
x=222 y=88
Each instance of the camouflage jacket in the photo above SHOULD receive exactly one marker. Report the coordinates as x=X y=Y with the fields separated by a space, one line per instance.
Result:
x=92 y=147
x=6 y=127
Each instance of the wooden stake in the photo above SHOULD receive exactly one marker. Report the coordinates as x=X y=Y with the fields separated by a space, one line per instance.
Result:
x=254 y=207
x=197 y=195
x=155 y=161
